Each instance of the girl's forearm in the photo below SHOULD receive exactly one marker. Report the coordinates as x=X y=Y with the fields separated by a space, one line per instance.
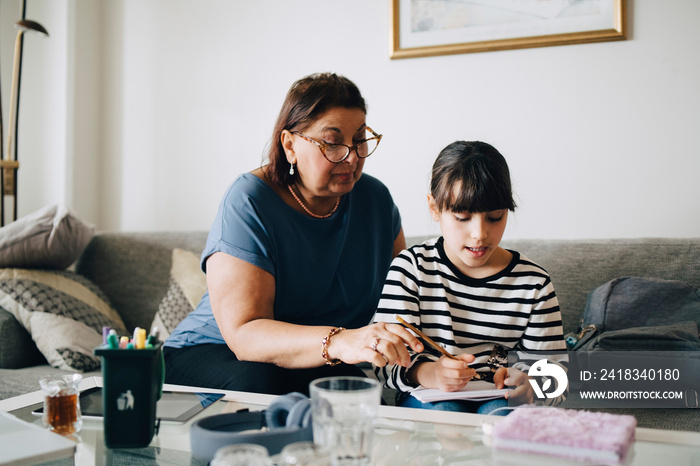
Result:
x=422 y=373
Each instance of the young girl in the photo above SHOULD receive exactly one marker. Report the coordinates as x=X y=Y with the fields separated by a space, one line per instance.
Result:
x=466 y=292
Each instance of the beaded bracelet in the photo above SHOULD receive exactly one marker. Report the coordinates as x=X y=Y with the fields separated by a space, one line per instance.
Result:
x=324 y=345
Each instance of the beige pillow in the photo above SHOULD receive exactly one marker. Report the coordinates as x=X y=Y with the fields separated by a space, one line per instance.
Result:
x=50 y=238
x=187 y=286
x=63 y=312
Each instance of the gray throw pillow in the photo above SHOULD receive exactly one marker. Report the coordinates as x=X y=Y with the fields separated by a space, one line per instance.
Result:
x=50 y=238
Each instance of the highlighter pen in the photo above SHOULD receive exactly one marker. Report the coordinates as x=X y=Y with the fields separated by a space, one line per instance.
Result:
x=153 y=337
x=123 y=341
x=136 y=331
x=112 y=339
x=140 y=338
x=105 y=334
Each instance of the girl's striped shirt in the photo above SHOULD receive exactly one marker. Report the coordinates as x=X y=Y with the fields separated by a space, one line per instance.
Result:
x=516 y=308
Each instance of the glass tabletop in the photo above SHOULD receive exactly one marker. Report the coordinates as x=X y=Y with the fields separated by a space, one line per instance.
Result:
x=403 y=437
x=170 y=445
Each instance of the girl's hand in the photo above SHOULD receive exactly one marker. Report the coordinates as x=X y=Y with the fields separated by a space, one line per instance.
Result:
x=452 y=375
x=522 y=393
x=380 y=344
x=445 y=374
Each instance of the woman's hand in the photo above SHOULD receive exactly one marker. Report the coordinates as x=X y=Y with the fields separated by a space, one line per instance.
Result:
x=445 y=374
x=379 y=344
x=522 y=393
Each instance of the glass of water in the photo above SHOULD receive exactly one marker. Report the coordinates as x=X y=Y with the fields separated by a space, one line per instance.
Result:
x=343 y=412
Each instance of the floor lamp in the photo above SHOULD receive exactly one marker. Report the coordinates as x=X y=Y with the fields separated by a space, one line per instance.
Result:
x=9 y=164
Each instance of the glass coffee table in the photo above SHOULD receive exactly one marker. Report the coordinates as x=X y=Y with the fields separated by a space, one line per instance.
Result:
x=403 y=437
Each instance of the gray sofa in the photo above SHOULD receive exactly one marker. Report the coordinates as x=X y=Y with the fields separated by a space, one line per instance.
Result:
x=133 y=270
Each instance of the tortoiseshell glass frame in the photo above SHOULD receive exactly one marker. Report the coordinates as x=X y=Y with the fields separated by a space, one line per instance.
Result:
x=323 y=145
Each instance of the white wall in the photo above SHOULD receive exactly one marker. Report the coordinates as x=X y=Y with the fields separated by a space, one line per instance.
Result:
x=182 y=94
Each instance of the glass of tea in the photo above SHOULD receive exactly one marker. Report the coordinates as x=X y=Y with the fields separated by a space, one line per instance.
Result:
x=61 y=403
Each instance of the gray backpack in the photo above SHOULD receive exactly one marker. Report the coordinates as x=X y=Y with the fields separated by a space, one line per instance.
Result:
x=635 y=314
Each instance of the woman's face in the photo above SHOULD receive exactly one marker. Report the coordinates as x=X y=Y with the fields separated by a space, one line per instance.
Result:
x=316 y=176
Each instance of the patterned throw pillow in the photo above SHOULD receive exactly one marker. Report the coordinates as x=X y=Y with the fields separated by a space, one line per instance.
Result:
x=63 y=311
x=187 y=286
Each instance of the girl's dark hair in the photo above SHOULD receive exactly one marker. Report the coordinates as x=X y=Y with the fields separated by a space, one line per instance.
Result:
x=479 y=172
x=307 y=99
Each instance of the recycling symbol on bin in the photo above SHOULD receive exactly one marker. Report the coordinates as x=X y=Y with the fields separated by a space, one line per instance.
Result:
x=125 y=401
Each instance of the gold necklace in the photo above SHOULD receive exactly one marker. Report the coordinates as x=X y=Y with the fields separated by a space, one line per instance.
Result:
x=306 y=209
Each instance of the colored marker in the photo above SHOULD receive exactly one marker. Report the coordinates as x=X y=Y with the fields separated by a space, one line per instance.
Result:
x=140 y=338
x=105 y=334
x=153 y=337
x=123 y=341
x=113 y=339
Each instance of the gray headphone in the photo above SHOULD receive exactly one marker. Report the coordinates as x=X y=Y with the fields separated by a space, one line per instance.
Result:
x=288 y=419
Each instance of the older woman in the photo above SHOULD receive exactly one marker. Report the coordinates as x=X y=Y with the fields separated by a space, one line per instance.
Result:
x=296 y=258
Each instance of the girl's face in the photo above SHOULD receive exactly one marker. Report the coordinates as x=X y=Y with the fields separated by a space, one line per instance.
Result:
x=317 y=177
x=471 y=239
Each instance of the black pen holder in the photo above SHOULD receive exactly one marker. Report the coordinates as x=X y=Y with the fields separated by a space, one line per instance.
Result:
x=132 y=382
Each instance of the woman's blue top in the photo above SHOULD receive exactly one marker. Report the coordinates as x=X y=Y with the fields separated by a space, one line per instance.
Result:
x=327 y=271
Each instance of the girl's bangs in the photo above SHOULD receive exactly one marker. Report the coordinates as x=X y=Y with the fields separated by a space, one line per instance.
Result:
x=486 y=197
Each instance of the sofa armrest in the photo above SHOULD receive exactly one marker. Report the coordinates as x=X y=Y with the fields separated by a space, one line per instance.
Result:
x=17 y=349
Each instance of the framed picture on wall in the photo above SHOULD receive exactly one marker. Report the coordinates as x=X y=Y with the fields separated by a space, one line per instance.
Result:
x=422 y=28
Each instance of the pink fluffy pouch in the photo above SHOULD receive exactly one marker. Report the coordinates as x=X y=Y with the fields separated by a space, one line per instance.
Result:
x=581 y=435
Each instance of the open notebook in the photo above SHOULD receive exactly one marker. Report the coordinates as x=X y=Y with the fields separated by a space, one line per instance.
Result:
x=474 y=390
x=26 y=443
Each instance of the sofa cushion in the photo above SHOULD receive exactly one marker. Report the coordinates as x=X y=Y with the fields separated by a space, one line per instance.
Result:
x=50 y=238
x=133 y=269
x=17 y=349
x=63 y=312
x=187 y=286
x=577 y=267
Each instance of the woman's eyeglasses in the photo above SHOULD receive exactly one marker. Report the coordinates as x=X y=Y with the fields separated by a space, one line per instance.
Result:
x=336 y=153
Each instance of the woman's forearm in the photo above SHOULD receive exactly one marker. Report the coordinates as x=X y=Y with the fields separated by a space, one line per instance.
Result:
x=280 y=343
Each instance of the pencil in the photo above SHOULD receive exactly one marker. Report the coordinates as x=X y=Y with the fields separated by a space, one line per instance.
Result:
x=427 y=339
